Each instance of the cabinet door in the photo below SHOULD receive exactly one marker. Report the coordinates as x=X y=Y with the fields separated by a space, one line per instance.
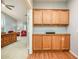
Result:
x=56 y=42
x=47 y=42
x=55 y=17
x=37 y=42
x=14 y=37
x=47 y=17
x=2 y=41
x=66 y=42
x=6 y=40
x=64 y=17
x=37 y=16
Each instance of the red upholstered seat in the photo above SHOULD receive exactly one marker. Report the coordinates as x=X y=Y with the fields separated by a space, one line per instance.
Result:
x=23 y=33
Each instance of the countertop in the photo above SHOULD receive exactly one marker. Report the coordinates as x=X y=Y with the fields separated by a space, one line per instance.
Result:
x=53 y=34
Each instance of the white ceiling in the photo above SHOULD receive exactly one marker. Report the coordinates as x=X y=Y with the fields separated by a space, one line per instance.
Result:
x=19 y=11
x=49 y=0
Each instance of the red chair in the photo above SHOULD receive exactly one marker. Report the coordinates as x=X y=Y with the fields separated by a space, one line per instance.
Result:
x=23 y=33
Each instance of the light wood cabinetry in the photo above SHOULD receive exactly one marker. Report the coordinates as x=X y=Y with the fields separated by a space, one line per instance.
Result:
x=47 y=17
x=50 y=17
x=56 y=42
x=51 y=42
x=65 y=42
x=64 y=16
x=46 y=42
x=37 y=42
x=7 y=39
x=37 y=16
x=60 y=17
x=55 y=17
x=2 y=41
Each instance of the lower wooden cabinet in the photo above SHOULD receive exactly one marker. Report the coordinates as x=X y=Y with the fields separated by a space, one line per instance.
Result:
x=47 y=42
x=51 y=42
x=9 y=38
x=6 y=40
x=65 y=42
x=37 y=42
x=13 y=39
x=56 y=42
x=2 y=41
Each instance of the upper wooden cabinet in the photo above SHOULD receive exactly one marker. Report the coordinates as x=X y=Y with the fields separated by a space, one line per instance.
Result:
x=64 y=17
x=60 y=17
x=55 y=17
x=47 y=16
x=37 y=16
x=50 y=17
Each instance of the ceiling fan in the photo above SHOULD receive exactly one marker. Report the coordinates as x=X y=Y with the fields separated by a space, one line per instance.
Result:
x=7 y=5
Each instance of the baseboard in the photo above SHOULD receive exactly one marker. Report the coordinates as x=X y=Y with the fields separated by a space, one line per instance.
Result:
x=30 y=51
x=73 y=54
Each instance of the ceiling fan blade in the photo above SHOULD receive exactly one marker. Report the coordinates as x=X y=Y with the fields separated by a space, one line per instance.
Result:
x=9 y=8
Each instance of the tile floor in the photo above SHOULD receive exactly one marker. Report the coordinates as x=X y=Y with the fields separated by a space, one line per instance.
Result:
x=17 y=50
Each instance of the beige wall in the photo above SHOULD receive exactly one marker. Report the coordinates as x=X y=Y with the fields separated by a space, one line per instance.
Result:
x=50 y=5
x=73 y=25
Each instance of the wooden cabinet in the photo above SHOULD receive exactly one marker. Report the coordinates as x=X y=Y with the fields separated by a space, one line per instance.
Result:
x=47 y=16
x=37 y=42
x=2 y=41
x=46 y=42
x=7 y=39
x=51 y=42
x=55 y=17
x=61 y=42
x=51 y=17
x=13 y=37
x=64 y=17
x=37 y=17
x=65 y=42
x=60 y=17
x=56 y=42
